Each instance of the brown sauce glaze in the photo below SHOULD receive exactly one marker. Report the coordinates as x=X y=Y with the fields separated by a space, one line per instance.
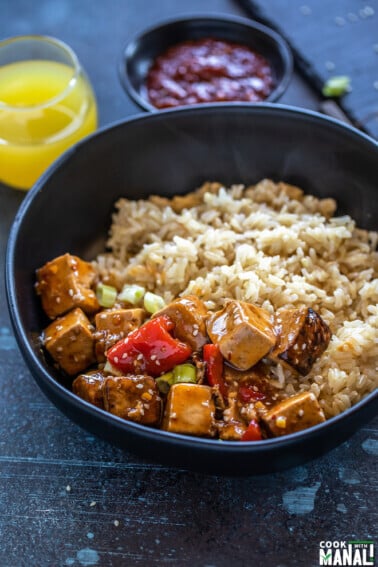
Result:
x=208 y=70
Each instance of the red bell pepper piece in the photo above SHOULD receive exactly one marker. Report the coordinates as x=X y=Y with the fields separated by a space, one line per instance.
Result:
x=248 y=394
x=149 y=349
x=253 y=432
x=214 y=368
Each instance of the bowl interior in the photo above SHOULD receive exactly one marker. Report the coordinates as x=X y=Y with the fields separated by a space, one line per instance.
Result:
x=168 y=153
x=141 y=52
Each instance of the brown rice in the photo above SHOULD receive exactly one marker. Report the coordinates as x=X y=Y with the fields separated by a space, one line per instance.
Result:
x=267 y=244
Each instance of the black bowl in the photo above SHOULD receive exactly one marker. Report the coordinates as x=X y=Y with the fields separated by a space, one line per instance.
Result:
x=143 y=49
x=69 y=209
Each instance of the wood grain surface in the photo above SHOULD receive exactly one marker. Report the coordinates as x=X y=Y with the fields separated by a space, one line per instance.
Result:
x=67 y=498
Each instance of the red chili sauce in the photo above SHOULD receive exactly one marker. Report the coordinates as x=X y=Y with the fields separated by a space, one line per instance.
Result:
x=208 y=70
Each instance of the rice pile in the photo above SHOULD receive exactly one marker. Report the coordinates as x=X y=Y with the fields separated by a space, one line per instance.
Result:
x=267 y=244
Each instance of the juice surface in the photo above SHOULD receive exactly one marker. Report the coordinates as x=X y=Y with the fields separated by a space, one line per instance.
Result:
x=42 y=123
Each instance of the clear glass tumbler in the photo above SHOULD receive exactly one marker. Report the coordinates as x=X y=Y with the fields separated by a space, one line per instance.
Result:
x=46 y=105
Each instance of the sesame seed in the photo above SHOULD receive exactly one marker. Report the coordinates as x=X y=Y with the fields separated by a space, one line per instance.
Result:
x=195 y=332
x=153 y=357
x=116 y=523
x=59 y=327
x=157 y=362
x=305 y=10
x=92 y=504
x=70 y=292
x=57 y=299
x=139 y=386
x=329 y=65
x=367 y=11
x=300 y=413
x=116 y=359
x=304 y=346
x=352 y=17
x=59 y=349
x=103 y=316
x=140 y=356
x=173 y=415
x=68 y=488
x=124 y=355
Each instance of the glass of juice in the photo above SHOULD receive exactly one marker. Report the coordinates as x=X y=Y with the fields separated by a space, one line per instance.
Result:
x=46 y=105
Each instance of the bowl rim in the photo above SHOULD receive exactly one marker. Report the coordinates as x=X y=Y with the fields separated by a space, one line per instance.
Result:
x=282 y=47
x=42 y=376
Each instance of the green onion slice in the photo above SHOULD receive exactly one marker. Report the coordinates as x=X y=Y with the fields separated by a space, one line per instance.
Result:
x=132 y=293
x=106 y=295
x=336 y=86
x=186 y=373
x=153 y=302
x=164 y=382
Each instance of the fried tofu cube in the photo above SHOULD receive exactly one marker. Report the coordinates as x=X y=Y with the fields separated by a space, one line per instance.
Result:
x=65 y=283
x=243 y=332
x=293 y=414
x=232 y=430
x=189 y=315
x=114 y=324
x=89 y=387
x=303 y=336
x=190 y=410
x=134 y=398
x=69 y=341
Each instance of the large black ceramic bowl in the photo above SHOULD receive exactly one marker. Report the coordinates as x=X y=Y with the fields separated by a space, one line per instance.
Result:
x=142 y=50
x=170 y=152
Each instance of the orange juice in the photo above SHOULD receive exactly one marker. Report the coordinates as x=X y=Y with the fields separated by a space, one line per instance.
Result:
x=45 y=107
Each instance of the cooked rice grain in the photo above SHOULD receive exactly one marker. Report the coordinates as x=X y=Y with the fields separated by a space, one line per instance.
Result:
x=267 y=244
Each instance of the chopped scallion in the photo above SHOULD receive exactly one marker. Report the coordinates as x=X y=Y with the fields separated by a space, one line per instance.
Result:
x=336 y=86
x=106 y=295
x=132 y=293
x=165 y=382
x=184 y=373
x=153 y=302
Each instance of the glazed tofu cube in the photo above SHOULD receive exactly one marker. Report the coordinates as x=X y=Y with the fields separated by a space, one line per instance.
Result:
x=189 y=316
x=293 y=414
x=190 y=410
x=89 y=387
x=135 y=398
x=69 y=341
x=232 y=430
x=303 y=336
x=65 y=283
x=243 y=332
x=112 y=325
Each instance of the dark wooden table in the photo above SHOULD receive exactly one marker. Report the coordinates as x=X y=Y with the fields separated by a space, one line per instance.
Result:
x=67 y=498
